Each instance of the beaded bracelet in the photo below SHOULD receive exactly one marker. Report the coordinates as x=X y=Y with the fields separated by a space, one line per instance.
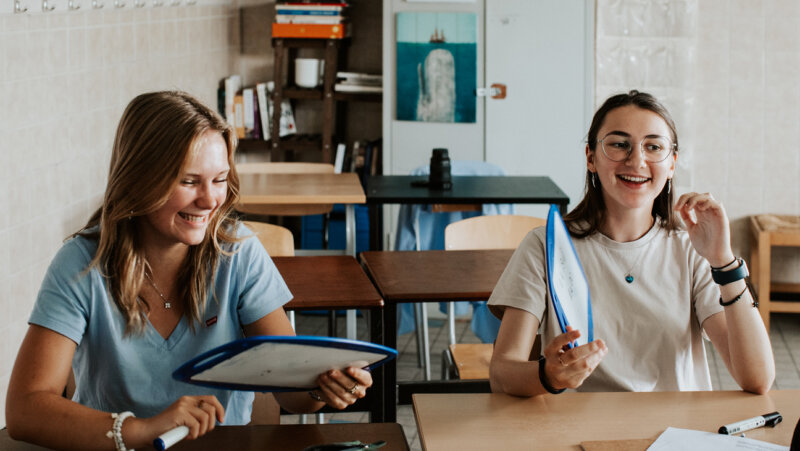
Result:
x=736 y=299
x=543 y=379
x=116 y=429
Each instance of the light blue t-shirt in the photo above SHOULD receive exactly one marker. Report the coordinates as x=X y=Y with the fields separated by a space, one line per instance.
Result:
x=116 y=373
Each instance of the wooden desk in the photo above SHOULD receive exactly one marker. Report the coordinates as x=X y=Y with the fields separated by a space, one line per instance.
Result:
x=562 y=422
x=397 y=189
x=285 y=437
x=333 y=283
x=429 y=276
x=309 y=189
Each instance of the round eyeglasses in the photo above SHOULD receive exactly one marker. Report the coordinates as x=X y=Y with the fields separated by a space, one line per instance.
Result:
x=655 y=149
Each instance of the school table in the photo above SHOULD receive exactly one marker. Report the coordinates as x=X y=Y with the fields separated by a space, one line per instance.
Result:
x=285 y=437
x=479 y=421
x=429 y=276
x=466 y=189
x=337 y=282
x=309 y=189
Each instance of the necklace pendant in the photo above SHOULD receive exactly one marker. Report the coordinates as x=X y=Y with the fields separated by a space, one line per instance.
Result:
x=629 y=278
x=167 y=305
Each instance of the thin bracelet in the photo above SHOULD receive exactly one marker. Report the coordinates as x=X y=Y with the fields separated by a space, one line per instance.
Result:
x=724 y=266
x=116 y=430
x=543 y=379
x=736 y=299
x=315 y=396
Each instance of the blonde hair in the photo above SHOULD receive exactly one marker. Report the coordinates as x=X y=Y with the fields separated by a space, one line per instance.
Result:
x=156 y=134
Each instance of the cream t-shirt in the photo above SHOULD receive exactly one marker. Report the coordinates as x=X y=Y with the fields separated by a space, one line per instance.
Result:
x=652 y=327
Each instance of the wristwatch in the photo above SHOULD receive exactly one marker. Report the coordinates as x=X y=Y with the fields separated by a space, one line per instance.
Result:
x=732 y=275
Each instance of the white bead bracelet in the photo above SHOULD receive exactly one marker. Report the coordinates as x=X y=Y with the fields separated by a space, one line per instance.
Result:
x=116 y=429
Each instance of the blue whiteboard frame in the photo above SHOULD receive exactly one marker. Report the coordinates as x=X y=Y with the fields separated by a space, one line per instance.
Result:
x=554 y=220
x=222 y=353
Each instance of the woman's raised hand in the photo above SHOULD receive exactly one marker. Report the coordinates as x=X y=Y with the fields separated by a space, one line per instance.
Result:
x=708 y=227
x=568 y=368
x=340 y=389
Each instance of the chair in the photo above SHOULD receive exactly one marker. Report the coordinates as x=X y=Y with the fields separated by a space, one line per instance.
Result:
x=471 y=361
x=421 y=227
x=769 y=231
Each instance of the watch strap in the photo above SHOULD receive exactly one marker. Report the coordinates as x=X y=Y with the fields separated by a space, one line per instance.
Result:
x=731 y=275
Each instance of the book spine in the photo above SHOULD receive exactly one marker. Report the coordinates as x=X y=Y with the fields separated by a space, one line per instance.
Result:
x=318 y=31
x=301 y=12
x=238 y=115
x=249 y=112
x=263 y=110
x=328 y=20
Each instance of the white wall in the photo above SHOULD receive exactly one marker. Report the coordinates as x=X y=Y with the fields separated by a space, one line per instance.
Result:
x=65 y=78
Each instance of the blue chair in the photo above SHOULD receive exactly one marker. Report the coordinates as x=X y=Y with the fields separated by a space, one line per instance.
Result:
x=419 y=227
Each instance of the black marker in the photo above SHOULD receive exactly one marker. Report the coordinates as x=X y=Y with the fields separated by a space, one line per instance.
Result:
x=768 y=419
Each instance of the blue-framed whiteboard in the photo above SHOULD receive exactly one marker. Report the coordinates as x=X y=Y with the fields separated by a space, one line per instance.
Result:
x=279 y=363
x=569 y=290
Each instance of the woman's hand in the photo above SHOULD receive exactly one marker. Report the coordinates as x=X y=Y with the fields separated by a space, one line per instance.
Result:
x=709 y=229
x=198 y=413
x=340 y=389
x=568 y=368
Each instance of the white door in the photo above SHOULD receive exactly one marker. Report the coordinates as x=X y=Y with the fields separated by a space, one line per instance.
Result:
x=543 y=51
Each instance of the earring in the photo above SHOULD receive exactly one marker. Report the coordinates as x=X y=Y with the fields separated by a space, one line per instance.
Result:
x=669 y=185
x=593 y=177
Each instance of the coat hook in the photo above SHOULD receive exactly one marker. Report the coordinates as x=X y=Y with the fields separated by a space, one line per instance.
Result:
x=139 y=3
x=72 y=5
x=46 y=7
x=119 y=4
x=96 y=4
x=18 y=8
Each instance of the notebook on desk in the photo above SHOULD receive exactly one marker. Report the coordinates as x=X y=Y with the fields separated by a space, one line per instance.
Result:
x=569 y=290
x=279 y=363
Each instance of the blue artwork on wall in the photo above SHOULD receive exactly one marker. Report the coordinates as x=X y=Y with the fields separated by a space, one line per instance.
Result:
x=436 y=66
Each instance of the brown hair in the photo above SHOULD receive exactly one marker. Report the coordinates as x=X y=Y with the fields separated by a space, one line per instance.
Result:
x=588 y=215
x=156 y=134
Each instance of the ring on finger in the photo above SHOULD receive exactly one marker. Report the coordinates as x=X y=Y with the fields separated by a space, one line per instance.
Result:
x=352 y=390
x=200 y=404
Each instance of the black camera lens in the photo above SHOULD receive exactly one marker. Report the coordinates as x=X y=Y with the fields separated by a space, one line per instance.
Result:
x=440 y=170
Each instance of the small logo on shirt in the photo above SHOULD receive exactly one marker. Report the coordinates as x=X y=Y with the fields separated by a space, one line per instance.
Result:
x=210 y=322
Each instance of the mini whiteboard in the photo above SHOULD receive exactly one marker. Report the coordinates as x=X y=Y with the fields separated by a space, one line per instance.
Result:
x=279 y=363
x=569 y=290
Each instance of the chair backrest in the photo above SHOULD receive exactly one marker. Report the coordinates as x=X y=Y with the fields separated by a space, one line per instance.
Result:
x=277 y=240
x=489 y=232
x=285 y=168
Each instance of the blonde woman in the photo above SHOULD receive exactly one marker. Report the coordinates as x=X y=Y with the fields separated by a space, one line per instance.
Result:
x=657 y=287
x=160 y=273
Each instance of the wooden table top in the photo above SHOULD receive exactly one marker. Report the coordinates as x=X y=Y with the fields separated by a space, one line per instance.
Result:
x=406 y=276
x=327 y=282
x=277 y=189
x=563 y=422
x=286 y=437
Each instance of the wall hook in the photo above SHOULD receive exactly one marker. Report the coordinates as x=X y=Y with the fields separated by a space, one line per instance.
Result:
x=119 y=4
x=175 y=3
x=158 y=3
x=139 y=3
x=18 y=8
x=46 y=7
x=97 y=5
x=72 y=5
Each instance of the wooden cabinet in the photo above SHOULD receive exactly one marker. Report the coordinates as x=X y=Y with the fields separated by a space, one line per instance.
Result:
x=333 y=52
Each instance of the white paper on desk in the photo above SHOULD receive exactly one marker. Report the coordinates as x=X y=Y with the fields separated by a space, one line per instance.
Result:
x=675 y=439
x=569 y=290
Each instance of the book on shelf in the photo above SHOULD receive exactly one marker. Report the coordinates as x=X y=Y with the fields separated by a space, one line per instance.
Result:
x=358 y=77
x=308 y=9
x=317 y=31
x=287 y=123
x=338 y=164
x=324 y=20
x=249 y=112
x=346 y=87
x=238 y=115
x=232 y=85
x=263 y=110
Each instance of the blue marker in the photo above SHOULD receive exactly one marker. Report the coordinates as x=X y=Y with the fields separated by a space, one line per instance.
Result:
x=170 y=438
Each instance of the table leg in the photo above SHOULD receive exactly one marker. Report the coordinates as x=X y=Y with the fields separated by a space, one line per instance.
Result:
x=390 y=369
x=375 y=227
x=350 y=232
x=377 y=403
x=562 y=208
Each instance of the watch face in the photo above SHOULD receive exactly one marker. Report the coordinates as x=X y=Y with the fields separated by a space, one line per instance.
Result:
x=731 y=275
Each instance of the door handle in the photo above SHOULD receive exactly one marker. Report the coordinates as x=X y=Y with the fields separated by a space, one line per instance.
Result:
x=495 y=91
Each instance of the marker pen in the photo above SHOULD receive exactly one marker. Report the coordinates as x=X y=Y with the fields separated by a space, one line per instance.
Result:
x=170 y=438
x=768 y=419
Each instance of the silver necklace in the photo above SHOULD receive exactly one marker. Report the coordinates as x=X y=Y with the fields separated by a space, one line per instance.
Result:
x=167 y=303
x=629 y=275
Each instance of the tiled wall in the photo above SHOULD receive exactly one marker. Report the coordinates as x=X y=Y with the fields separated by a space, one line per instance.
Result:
x=65 y=78
x=728 y=72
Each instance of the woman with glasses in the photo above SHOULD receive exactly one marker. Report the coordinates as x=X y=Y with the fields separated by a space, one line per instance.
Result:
x=657 y=287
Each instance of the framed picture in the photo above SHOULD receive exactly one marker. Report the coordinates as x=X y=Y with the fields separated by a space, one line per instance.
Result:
x=437 y=60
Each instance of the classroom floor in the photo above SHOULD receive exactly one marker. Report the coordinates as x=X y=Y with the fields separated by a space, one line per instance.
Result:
x=784 y=333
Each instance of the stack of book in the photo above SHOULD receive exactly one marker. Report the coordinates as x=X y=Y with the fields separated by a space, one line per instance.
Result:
x=249 y=110
x=357 y=82
x=321 y=20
